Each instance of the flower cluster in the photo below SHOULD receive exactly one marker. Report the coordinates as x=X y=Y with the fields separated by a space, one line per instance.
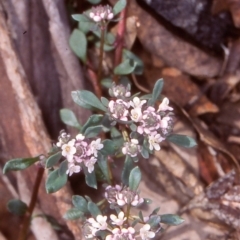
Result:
x=79 y=152
x=117 y=195
x=101 y=13
x=117 y=228
x=154 y=124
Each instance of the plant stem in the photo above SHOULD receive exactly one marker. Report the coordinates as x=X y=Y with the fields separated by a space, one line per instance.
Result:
x=101 y=55
x=28 y=214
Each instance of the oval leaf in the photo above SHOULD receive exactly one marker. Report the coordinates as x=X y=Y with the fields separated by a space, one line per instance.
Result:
x=125 y=67
x=17 y=207
x=78 y=44
x=154 y=221
x=156 y=92
x=55 y=181
x=80 y=18
x=73 y=214
x=171 y=219
x=119 y=6
x=139 y=63
x=93 y=131
x=103 y=164
x=182 y=140
x=69 y=118
x=79 y=101
x=90 y=178
x=80 y=203
x=19 y=164
x=93 y=209
x=128 y=166
x=109 y=147
x=52 y=160
x=134 y=178
x=93 y=120
x=86 y=98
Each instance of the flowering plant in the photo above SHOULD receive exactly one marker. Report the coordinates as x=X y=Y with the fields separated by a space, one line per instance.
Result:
x=135 y=124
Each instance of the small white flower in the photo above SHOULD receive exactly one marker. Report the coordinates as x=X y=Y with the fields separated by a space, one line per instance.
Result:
x=136 y=114
x=91 y=14
x=137 y=201
x=72 y=168
x=165 y=121
x=124 y=233
x=80 y=137
x=94 y=147
x=164 y=105
x=154 y=140
x=145 y=234
x=137 y=103
x=100 y=223
x=97 y=18
x=120 y=199
x=119 y=109
x=68 y=150
x=131 y=148
x=90 y=164
x=118 y=220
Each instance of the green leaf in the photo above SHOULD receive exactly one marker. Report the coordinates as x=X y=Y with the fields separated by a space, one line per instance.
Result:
x=80 y=18
x=86 y=27
x=80 y=203
x=155 y=211
x=154 y=221
x=106 y=82
x=68 y=117
x=19 y=164
x=63 y=168
x=134 y=178
x=103 y=164
x=111 y=38
x=128 y=166
x=106 y=47
x=139 y=63
x=93 y=131
x=133 y=127
x=144 y=152
x=78 y=100
x=171 y=219
x=78 y=44
x=90 y=178
x=55 y=181
x=73 y=214
x=105 y=101
x=126 y=67
x=119 y=6
x=17 y=207
x=94 y=1
x=93 y=120
x=156 y=92
x=52 y=160
x=87 y=99
x=182 y=140
x=115 y=133
x=141 y=216
x=93 y=209
x=109 y=147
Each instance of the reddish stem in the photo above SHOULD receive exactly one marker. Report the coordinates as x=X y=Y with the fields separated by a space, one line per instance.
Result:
x=120 y=39
x=94 y=79
x=28 y=214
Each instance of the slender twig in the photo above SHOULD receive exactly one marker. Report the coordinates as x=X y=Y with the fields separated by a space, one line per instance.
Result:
x=28 y=215
x=94 y=79
x=101 y=54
